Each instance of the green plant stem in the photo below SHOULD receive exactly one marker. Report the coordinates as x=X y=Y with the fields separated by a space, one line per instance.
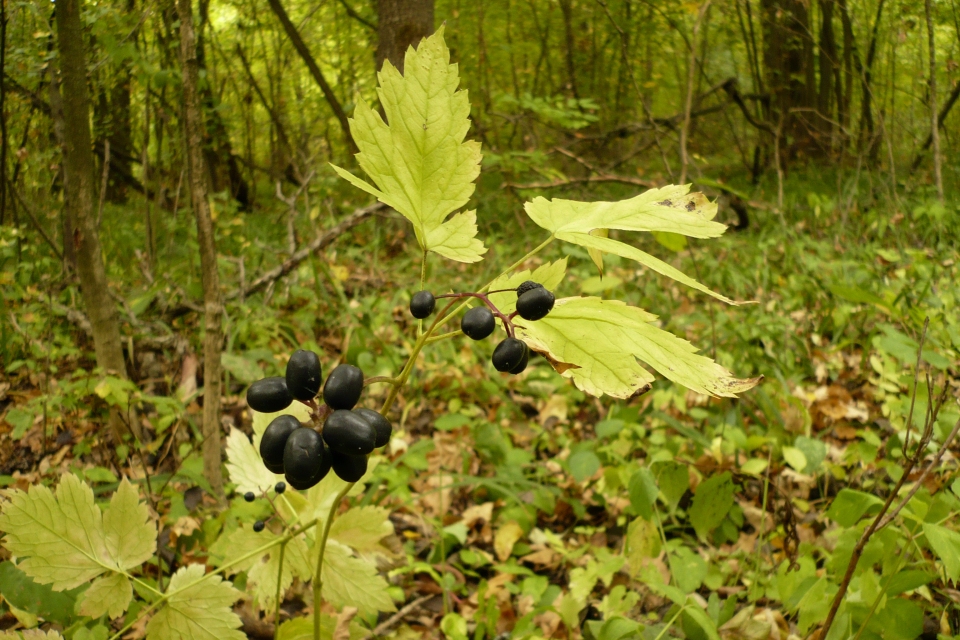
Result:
x=256 y=552
x=670 y=623
x=276 y=610
x=317 y=579
x=444 y=336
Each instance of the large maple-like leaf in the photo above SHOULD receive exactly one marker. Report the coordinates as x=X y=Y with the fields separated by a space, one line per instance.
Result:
x=670 y=209
x=599 y=344
x=418 y=159
x=66 y=540
x=197 y=609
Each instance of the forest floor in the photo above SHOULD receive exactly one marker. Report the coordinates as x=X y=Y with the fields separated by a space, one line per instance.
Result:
x=541 y=491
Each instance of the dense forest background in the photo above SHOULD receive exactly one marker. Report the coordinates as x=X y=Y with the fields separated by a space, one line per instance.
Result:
x=171 y=230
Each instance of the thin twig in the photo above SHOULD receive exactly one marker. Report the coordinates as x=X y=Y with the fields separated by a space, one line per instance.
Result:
x=393 y=620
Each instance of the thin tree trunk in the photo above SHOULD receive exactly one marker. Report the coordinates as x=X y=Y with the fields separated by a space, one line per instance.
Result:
x=934 y=126
x=567 y=10
x=3 y=112
x=941 y=117
x=305 y=54
x=828 y=64
x=213 y=306
x=688 y=103
x=401 y=24
x=79 y=187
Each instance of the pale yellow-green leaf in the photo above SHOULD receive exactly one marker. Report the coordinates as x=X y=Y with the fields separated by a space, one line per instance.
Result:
x=61 y=537
x=418 y=159
x=262 y=576
x=197 y=610
x=795 y=458
x=131 y=536
x=110 y=594
x=670 y=209
x=245 y=466
x=643 y=541
x=632 y=253
x=238 y=543
x=320 y=498
x=353 y=581
x=550 y=275
x=599 y=343
x=595 y=254
x=362 y=529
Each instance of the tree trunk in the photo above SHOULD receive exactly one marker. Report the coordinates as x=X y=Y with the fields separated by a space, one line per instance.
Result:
x=934 y=126
x=79 y=188
x=213 y=308
x=401 y=24
x=789 y=61
x=828 y=65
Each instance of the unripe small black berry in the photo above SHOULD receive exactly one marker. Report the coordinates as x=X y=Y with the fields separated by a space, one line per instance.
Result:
x=280 y=487
x=258 y=526
x=249 y=496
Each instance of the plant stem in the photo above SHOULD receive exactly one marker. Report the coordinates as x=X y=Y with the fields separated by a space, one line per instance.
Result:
x=276 y=611
x=317 y=579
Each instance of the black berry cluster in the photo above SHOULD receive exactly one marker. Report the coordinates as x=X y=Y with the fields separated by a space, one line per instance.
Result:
x=305 y=454
x=534 y=302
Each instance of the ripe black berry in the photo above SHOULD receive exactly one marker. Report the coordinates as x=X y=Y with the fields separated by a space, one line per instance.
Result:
x=529 y=285
x=478 y=323
x=249 y=496
x=523 y=361
x=258 y=526
x=380 y=424
x=349 y=433
x=343 y=387
x=269 y=395
x=305 y=459
x=508 y=354
x=303 y=375
x=535 y=304
x=274 y=441
x=349 y=468
x=422 y=304
x=280 y=487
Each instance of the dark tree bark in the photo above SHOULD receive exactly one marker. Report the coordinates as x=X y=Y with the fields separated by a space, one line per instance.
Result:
x=828 y=64
x=79 y=189
x=3 y=112
x=401 y=24
x=193 y=125
x=791 y=79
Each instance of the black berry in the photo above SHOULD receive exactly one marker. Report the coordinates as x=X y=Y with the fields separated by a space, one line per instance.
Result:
x=478 y=323
x=535 y=304
x=303 y=375
x=349 y=433
x=258 y=526
x=249 y=496
x=529 y=285
x=305 y=459
x=422 y=304
x=508 y=354
x=343 y=387
x=380 y=424
x=269 y=395
x=274 y=441
x=349 y=468
x=523 y=361
x=280 y=487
